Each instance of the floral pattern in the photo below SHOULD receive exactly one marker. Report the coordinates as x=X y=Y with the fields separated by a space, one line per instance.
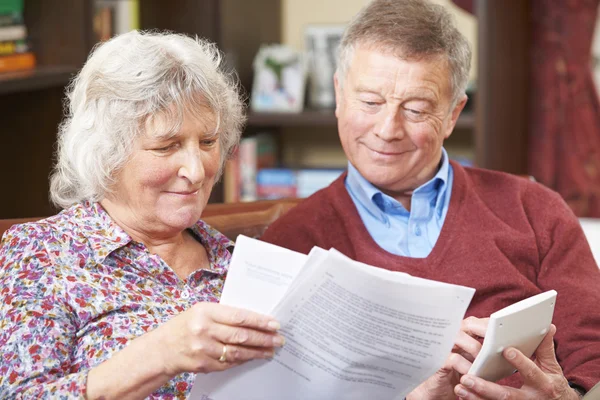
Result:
x=75 y=289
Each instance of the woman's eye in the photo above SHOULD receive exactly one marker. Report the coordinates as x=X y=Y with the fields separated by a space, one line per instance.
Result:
x=208 y=142
x=166 y=148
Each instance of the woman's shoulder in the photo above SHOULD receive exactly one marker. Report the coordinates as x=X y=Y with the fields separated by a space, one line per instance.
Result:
x=34 y=242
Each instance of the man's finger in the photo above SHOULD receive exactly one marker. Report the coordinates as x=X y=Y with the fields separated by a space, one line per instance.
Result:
x=545 y=354
x=474 y=327
x=472 y=387
x=530 y=372
x=457 y=363
x=466 y=345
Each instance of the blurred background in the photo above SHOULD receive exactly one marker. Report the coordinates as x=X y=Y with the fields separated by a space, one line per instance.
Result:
x=533 y=107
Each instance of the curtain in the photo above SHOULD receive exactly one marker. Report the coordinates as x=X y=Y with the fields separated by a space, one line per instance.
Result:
x=564 y=142
x=564 y=136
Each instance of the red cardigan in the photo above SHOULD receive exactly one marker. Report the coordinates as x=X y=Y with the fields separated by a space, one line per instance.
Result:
x=505 y=236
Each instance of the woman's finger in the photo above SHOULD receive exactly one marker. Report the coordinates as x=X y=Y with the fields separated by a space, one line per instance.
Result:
x=239 y=317
x=240 y=354
x=246 y=336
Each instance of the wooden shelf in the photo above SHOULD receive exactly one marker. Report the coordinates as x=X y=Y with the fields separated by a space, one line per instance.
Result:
x=35 y=79
x=323 y=118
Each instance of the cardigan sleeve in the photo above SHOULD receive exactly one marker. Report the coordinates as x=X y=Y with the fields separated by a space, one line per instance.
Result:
x=566 y=264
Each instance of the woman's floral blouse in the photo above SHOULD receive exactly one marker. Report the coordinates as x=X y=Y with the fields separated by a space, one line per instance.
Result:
x=75 y=289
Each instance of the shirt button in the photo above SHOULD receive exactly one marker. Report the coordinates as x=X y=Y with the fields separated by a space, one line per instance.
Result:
x=417 y=231
x=185 y=294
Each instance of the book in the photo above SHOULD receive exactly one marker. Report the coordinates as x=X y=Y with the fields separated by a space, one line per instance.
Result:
x=231 y=179
x=113 y=17
x=14 y=47
x=17 y=62
x=11 y=6
x=13 y=32
x=253 y=153
x=12 y=18
x=276 y=183
x=350 y=328
x=309 y=181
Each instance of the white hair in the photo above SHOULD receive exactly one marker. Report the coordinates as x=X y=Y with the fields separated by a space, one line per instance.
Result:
x=411 y=29
x=126 y=82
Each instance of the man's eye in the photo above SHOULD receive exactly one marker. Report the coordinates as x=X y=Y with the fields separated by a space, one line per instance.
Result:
x=414 y=112
x=370 y=103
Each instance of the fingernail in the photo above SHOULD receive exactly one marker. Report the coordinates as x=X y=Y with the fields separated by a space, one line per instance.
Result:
x=278 y=341
x=274 y=325
x=461 y=392
x=468 y=382
x=511 y=354
x=269 y=354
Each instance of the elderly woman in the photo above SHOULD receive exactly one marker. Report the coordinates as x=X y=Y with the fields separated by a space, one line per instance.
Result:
x=115 y=297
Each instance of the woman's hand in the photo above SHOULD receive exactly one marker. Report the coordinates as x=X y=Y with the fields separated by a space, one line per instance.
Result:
x=194 y=340
x=543 y=378
x=441 y=384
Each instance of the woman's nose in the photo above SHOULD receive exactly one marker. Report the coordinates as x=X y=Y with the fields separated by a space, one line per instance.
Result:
x=191 y=167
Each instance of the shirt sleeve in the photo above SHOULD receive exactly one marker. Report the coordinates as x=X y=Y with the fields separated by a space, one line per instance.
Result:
x=37 y=326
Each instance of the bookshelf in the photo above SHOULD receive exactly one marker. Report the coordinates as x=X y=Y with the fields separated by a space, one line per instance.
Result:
x=37 y=79
x=322 y=118
x=61 y=34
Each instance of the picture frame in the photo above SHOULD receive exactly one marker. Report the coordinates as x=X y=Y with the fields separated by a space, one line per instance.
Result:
x=322 y=43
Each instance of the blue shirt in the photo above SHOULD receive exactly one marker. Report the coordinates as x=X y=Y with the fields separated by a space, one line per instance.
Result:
x=399 y=231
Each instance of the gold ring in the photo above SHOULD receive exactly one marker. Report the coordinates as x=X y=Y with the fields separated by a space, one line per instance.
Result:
x=223 y=357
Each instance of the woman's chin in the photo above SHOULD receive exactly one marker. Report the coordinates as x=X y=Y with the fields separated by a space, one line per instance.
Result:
x=180 y=219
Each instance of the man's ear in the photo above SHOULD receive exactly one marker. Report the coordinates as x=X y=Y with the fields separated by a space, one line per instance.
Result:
x=338 y=93
x=454 y=117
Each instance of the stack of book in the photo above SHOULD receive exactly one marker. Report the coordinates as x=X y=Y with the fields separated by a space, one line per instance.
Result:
x=251 y=174
x=15 y=51
x=113 y=17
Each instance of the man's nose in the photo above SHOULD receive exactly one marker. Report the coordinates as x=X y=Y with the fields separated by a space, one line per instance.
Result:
x=191 y=167
x=390 y=124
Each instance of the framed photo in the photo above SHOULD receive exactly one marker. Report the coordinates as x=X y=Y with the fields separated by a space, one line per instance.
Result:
x=322 y=42
x=279 y=80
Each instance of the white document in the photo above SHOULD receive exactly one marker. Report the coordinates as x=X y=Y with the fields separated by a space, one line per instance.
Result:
x=352 y=331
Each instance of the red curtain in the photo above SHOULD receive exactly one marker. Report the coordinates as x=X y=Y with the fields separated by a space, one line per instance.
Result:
x=564 y=139
x=564 y=142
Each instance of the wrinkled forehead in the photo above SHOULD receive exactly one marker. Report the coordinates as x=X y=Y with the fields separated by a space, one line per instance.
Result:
x=168 y=122
x=366 y=57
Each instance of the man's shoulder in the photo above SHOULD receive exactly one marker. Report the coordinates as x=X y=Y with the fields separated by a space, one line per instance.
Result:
x=499 y=183
x=505 y=193
x=305 y=225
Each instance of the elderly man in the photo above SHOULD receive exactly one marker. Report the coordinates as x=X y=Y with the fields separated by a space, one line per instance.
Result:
x=403 y=205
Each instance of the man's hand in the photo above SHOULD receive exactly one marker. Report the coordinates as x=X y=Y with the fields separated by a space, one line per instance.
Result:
x=543 y=378
x=441 y=384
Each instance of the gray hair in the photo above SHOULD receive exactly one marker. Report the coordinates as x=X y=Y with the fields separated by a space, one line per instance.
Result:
x=411 y=29
x=127 y=82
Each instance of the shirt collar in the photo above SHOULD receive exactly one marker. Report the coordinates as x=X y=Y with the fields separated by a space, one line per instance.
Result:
x=105 y=236
x=371 y=197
